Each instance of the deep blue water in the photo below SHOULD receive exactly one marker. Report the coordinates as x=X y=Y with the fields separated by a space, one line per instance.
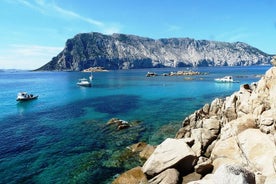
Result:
x=62 y=136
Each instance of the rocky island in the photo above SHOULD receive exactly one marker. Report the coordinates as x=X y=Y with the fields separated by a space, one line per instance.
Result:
x=95 y=69
x=121 y=51
x=230 y=140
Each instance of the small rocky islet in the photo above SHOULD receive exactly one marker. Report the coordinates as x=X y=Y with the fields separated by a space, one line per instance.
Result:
x=230 y=140
x=178 y=73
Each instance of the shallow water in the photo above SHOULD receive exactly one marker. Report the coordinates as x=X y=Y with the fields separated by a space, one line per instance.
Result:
x=62 y=138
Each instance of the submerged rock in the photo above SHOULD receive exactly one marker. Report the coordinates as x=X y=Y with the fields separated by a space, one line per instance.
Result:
x=144 y=149
x=121 y=124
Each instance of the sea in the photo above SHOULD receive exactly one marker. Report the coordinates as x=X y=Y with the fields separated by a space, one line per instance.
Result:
x=63 y=136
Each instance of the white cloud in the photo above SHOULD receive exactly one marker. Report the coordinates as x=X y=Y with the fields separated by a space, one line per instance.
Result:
x=26 y=56
x=31 y=56
x=32 y=6
x=52 y=9
x=72 y=14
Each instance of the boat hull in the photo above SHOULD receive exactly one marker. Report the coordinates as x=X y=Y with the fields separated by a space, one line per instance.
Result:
x=26 y=99
x=226 y=79
x=84 y=85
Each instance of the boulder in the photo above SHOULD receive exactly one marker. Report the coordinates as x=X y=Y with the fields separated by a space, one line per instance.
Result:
x=169 y=176
x=133 y=176
x=226 y=174
x=190 y=141
x=170 y=153
x=144 y=149
x=270 y=179
x=267 y=121
x=259 y=149
x=230 y=114
x=138 y=147
x=203 y=138
x=203 y=166
x=206 y=108
x=216 y=106
x=183 y=132
x=210 y=149
x=191 y=177
x=238 y=125
x=212 y=124
x=243 y=103
x=227 y=151
x=208 y=179
x=273 y=61
x=147 y=151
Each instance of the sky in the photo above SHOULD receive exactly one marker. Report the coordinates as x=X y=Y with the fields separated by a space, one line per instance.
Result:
x=34 y=31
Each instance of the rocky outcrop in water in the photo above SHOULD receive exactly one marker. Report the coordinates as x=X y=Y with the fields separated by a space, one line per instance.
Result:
x=230 y=140
x=120 y=51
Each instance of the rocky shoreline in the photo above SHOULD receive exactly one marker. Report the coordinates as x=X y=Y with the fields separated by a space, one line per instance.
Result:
x=230 y=140
x=178 y=73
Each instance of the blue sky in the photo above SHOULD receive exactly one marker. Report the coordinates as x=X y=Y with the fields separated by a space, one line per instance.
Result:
x=34 y=31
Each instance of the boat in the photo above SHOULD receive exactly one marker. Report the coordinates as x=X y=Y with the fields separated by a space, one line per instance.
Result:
x=24 y=96
x=84 y=82
x=225 y=79
x=91 y=77
x=151 y=74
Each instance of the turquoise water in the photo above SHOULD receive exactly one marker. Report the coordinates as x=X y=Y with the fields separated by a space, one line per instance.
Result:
x=62 y=136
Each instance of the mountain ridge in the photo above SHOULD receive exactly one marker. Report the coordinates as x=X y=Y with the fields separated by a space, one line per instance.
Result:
x=122 y=51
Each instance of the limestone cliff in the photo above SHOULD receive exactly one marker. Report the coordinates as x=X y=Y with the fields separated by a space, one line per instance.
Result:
x=230 y=140
x=120 y=51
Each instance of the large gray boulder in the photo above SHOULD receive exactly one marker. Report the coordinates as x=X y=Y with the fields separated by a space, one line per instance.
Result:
x=259 y=149
x=228 y=174
x=270 y=180
x=250 y=148
x=172 y=153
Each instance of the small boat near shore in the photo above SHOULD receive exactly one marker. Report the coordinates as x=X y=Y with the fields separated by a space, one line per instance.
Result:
x=84 y=82
x=225 y=79
x=24 y=96
x=151 y=74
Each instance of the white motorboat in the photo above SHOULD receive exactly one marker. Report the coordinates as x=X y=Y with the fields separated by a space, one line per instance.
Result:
x=225 y=79
x=24 y=96
x=84 y=82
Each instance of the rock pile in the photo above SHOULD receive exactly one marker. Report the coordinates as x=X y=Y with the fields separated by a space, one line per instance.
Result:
x=230 y=140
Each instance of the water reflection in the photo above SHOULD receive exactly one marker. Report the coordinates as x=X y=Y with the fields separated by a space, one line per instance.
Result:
x=23 y=107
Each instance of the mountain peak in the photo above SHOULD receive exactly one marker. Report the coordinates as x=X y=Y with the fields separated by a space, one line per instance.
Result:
x=122 y=51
